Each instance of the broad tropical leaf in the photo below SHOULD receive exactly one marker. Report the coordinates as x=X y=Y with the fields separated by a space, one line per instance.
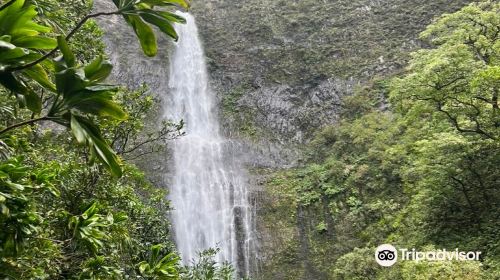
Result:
x=180 y=3
x=145 y=34
x=98 y=70
x=38 y=74
x=161 y=22
x=87 y=133
x=139 y=14
x=19 y=40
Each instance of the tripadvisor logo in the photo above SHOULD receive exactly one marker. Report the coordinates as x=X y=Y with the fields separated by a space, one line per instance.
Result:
x=387 y=255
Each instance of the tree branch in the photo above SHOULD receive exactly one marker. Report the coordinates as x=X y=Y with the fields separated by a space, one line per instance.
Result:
x=70 y=34
x=162 y=135
x=6 y=5
x=31 y=121
x=457 y=126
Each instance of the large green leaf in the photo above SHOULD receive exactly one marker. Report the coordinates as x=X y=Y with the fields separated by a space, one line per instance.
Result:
x=78 y=131
x=96 y=103
x=98 y=70
x=33 y=102
x=35 y=42
x=87 y=133
x=17 y=21
x=171 y=17
x=139 y=14
x=181 y=3
x=69 y=81
x=13 y=56
x=68 y=55
x=121 y=4
x=10 y=16
x=9 y=81
x=39 y=74
x=162 y=23
x=9 y=52
x=145 y=34
x=108 y=156
x=24 y=96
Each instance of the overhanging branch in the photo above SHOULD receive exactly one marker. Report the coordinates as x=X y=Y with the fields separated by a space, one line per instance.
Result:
x=6 y=5
x=70 y=34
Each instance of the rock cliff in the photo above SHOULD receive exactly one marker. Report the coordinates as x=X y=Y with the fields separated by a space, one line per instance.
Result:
x=281 y=69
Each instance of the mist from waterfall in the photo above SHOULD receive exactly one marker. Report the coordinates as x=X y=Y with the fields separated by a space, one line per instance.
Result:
x=208 y=188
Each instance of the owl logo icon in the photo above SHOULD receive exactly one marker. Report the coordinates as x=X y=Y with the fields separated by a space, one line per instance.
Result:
x=386 y=255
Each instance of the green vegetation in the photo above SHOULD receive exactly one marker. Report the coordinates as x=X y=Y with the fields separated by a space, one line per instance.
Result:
x=422 y=174
x=70 y=207
x=414 y=160
x=242 y=116
x=78 y=91
x=298 y=42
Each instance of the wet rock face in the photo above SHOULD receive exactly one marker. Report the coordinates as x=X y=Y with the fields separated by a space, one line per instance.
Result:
x=294 y=112
x=293 y=60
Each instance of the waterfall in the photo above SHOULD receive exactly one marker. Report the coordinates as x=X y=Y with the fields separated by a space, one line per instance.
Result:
x=208 y=187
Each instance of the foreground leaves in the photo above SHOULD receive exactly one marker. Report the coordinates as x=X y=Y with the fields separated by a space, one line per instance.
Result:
x=139 y=14
x=20 y=41
x=158 y=266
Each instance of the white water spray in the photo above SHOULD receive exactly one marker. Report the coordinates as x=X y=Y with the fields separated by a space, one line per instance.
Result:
x=208 y=190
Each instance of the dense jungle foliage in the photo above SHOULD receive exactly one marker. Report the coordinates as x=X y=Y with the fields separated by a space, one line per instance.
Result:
x=72 y=205
x=413 y=162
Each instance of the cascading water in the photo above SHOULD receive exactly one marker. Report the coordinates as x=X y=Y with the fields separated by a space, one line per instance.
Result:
x=208 y=191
